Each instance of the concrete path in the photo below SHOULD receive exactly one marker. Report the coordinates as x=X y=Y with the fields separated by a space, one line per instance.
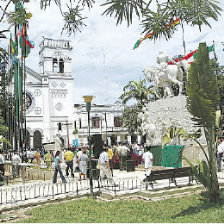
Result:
x=36 y=192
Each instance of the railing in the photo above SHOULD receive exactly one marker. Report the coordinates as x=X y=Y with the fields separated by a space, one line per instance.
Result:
x=47 y=190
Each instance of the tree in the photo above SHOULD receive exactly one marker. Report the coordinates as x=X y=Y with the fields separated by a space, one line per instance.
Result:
x=3 y=133
x=142 y=94
x=202 y=103
x=191 y=12
x=138 y=91
x=130 y=118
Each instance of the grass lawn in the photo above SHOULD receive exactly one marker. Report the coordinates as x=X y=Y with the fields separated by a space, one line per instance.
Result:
x=191 y=209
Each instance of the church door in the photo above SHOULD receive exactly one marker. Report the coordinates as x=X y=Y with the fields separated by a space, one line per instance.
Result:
x=37 y=141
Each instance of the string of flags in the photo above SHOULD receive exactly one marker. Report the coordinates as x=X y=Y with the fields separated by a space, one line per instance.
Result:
x=150 y=35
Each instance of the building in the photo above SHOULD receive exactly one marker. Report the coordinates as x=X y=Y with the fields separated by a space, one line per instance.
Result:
x=105 y=120
x=49 y=94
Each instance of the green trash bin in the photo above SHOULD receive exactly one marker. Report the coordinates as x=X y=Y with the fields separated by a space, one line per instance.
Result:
x=172 y=155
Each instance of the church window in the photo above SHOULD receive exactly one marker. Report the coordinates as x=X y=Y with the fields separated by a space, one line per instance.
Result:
x=117 y=122
x=55 y=65
x=80 y=123
x=95 y=122
x=75 y=125
x=61 y=66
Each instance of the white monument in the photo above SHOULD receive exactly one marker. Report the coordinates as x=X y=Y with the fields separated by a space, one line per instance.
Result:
x=164 y=75
x=160 y=115
x=49 y=94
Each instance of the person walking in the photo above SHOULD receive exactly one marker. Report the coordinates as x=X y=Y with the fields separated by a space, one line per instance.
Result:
x=37 y=157
x=134 y=152
x=219 y=155
x=58 y=161
x=104 y=164
x=16 y=160
x=83 y=163
x=110 y=155
x=47 y=160
x=69 y=155
x=148 y=158
x=2 y=163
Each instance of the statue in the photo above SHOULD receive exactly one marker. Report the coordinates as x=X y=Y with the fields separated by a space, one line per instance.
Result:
x=165 y=75
x=57 y=143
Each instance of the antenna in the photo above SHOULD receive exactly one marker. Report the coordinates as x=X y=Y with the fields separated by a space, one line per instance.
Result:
x=105 y=76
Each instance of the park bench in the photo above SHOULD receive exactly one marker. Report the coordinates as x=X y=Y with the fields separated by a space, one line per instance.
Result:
x=170 y=174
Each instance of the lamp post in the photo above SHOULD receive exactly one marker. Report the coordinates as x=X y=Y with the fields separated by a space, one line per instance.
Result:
x=88 y=100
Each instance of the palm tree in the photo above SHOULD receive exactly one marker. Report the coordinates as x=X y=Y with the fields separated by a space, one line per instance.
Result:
x=138 y=91
x=191 y=12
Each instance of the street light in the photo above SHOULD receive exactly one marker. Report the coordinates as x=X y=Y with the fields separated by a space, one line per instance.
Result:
x=88 y=100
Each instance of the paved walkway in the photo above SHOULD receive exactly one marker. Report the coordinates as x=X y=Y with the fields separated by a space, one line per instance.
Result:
x=34 y=192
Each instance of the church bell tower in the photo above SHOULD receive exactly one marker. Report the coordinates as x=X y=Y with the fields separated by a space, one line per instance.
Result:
x=57 y=80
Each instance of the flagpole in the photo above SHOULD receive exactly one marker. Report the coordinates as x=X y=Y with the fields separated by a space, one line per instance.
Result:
x=184 y=46
x=24 y=87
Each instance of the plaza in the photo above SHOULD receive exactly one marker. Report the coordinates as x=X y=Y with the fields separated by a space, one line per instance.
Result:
x=106 y=120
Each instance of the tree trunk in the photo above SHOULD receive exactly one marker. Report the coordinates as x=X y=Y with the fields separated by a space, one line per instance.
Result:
x=213 y=190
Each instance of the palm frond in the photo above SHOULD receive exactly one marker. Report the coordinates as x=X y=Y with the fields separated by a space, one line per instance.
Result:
x=124 y=10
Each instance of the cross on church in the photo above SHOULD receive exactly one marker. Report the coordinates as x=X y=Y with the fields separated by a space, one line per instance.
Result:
x=37 y=92
x=37 y=110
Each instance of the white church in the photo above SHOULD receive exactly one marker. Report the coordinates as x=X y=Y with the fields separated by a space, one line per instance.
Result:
x=50 y=110
x=49 y=95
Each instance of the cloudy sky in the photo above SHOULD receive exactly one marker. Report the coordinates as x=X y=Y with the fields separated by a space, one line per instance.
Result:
x=102 y=59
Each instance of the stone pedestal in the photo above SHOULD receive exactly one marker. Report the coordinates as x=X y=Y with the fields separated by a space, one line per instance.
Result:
x=158 y=116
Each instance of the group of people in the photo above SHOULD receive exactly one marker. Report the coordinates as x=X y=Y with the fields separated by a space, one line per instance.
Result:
x=105 y=161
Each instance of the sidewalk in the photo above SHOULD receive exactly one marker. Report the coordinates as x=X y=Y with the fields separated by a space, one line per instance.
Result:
x=43 y=191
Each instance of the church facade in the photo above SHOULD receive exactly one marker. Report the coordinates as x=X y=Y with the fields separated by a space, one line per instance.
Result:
x=49 y=95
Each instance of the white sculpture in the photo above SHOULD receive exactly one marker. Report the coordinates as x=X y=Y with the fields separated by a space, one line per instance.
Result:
x=57 y=143
x=165 y=75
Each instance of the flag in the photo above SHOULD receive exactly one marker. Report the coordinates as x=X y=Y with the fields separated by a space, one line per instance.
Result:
x=138 y=43
x=211 y=48
x=150 y=35
x=192 y=55
x=24 y=42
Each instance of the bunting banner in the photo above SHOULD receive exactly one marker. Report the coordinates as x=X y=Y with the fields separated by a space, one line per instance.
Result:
x=150 y=35
x=191 y=56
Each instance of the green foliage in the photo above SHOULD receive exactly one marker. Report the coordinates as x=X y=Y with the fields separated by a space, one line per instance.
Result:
x=3 y=132
x=138 y=91
x=202 y=103
x=73 y=20
x=172 y=132
x=191 y=12
x=189 y=209
x=20 y=16
x=202 y=173
x=130 y=118
x=219 y=72
x=142 y=94
x=124 y=10
x=202 y=92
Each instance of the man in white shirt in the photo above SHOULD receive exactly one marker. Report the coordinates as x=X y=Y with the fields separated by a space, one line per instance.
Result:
x=220 y=150
x=16 y=160
x=2 y=163
x=104 y=164
x=148 y=158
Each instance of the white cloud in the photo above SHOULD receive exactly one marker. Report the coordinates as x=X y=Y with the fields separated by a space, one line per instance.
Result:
x=101 y=38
